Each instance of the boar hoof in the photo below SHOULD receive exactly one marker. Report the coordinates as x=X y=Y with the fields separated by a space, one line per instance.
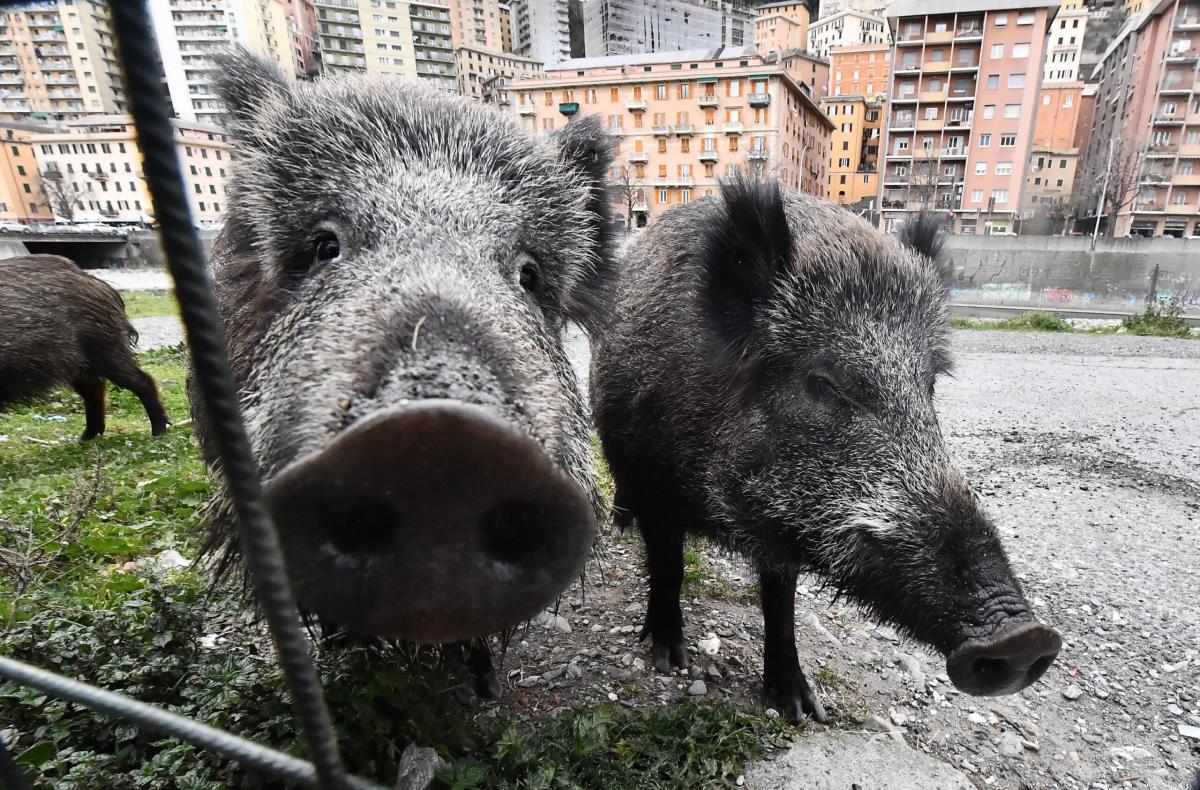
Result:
x=794 y=700
x=89 y=434
x=666 y=658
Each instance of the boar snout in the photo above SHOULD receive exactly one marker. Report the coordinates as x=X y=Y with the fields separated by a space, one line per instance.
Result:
x=1006 y=662
x=433 y=520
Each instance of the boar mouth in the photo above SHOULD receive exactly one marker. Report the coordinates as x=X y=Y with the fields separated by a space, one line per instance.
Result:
x=434 y=521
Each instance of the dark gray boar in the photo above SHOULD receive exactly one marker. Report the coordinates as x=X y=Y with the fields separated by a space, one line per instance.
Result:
x=394 y=273
x=768 y=382
x=62 y=327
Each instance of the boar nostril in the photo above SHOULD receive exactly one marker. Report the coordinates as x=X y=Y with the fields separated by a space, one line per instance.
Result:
x=993 y=672
x=357 y=525
x=1006 y=662
x=516 y=531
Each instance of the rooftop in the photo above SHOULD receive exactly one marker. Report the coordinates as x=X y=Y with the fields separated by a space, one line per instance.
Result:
x=655 y=58
x=845 y=13
x=903 y=8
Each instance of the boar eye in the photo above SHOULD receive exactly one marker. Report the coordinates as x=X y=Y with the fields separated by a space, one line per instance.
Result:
x=822 y=386
x=326 y=247
x=530 y=278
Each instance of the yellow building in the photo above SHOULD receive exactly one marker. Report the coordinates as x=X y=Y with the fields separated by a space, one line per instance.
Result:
x=854 y=149
x=58 y=62
x=21 y=194
x=488 y=76
x=91 y=170
x=683 y=120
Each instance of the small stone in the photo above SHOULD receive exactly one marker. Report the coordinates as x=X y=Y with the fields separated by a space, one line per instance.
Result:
x=712 y=673
x=1130 y=754
x=772 y=713
x=1031 y=746
x=912 y=666
x=574 y=672
x=1072 y=692
x=419 y=766
x=876 y=723
x=596 y=628
x=1189 y=731
x=710 y=645
x=813 y=622
x=1011 y=745
x=977 y=718
x=627 y=629
x=886 y=633
x=741 y=780
x=612 y=696
x=1174 y=709
x=553 y=674
x=697 y=689
x=529 y=682
x=897 y=717
x=638 y=665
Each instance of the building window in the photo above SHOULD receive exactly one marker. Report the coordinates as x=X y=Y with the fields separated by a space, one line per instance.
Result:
x=1008 y=140
x=660 y=91
x=1020 y=51
x=1016 y=80
x=1004 y=168
x=985 y=140
x=993 y=81
x=1012 y=111
x=976 y=195
x=1025 y=18
x=685 y=196
x=662 y=196
x=981 y=168
x=1001 y=20
x=1000 y=195
x=997 y=51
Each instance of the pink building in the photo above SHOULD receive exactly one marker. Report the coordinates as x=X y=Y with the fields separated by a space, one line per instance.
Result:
x=684 y=120
x=962 y=108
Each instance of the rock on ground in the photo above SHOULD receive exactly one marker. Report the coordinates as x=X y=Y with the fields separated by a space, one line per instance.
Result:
x=840 y=761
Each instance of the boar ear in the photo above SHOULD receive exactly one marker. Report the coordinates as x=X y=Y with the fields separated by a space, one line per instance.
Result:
x=586 y=148
x=247 y=85
x=923 y=235
x=745 y=245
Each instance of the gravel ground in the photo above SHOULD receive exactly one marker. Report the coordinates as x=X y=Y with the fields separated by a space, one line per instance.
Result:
x=134 y=279
x=1086 y=450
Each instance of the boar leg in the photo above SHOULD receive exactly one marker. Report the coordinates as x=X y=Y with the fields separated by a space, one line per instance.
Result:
x=126 y=374
x=91 y=389
x=479 y=662
x=622 y=516
x=664 y=619
x=786 y=688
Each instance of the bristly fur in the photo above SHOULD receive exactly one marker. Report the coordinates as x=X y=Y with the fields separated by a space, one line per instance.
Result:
x=429 y=194
x=923 y=234
x=744 y=244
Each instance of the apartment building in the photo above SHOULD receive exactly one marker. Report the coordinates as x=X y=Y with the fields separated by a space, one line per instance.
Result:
x=1054 y=155
x=845 y=28
x=1148 y=98
x=860 y=69
x=477 y=24
x=810 y=73
x=1065 y=51
x=634 y=27
x=58 y=62
x=399 y=38
x=684 y=120
x=961 y=109
x=854 y=150
x=488 y=76
x=541 y=30
x=506 y=42
x=92 y=170
x=22 y=198
x=877 y=8
x=781 y=27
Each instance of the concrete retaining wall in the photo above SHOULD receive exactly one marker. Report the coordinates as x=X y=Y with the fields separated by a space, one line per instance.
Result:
x=1061 y=271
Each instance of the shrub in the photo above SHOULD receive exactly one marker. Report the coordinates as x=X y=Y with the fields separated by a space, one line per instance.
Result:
x=1159 y=318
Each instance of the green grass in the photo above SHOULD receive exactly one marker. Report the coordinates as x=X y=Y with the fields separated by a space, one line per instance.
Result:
x=1165 y=321
x=73 y=515
x=148 y=304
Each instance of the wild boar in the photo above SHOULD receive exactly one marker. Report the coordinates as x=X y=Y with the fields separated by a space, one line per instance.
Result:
x=767 y=381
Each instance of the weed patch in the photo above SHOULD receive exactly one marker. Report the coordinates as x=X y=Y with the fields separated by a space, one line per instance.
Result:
x=148 y=304
x=1164 y=319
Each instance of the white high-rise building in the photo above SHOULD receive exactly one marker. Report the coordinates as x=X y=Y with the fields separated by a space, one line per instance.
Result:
x=634 y=27
x=846 y=28
x=1065 y=48
x=541 y=30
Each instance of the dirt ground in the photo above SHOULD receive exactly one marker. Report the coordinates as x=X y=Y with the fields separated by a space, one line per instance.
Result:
x=1086 y=450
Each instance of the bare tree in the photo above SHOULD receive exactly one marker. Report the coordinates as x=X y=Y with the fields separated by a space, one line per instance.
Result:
x=1121 y=175
x=61 y=194
x=627 y=191
x=924 y=181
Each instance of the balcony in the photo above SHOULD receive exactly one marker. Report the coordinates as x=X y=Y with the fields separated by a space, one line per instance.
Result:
x=757 y=155
x=929 y=124
x=661 y=131
x=9 y=65
x=961 y=65
x=57 y=38
x=1183 y=55
x=1183 y=208
x=1190 y=150
x=636 y=105
x=1187 y=23
x=527 y=109
x=732 y=128
x=640 y=207
x=685 y=129
x=675 y=181
x=909 y=66
x=708 y=156
x=900 y=153
x=1177 y=85
x=709 y=100
x=909 y=39
x=639 y=157
x=933 y=97
x=1147 y=206
x=568 y=108
x=902 y=122
x=939 y=36
x=1168 y=120
x=936 y=66
x=759 y=99
x=11 y=79
x=968 y=33
x=57 y=66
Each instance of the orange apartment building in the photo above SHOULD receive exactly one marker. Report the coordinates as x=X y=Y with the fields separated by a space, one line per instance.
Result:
x=961 y=109
x=1148 y=96
x=21 y=196
x=860 y=69
x=684 y=120
x=781 y=27
x=854 y=149
x=1054 y=157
